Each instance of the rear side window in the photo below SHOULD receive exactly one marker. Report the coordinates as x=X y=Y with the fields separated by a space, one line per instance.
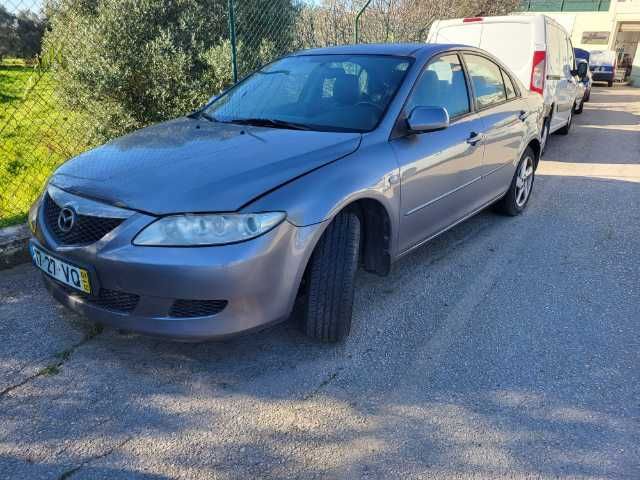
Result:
x=442 y=84
x=486 y=79
x=508 y=85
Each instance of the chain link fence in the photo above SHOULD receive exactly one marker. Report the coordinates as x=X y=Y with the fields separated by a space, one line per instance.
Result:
x=75 y=73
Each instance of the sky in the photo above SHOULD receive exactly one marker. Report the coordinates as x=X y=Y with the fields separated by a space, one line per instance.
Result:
x=16 y=5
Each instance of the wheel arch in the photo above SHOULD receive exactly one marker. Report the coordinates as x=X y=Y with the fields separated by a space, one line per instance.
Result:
x=534 y=144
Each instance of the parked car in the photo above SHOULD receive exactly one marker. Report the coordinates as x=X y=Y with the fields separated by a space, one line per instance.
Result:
x=603 y=66
x=584 y=85
x=587 y=79
x=264 y=202
x=535 y=47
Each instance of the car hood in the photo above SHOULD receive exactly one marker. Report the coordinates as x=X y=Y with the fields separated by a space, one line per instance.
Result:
x=189 y=165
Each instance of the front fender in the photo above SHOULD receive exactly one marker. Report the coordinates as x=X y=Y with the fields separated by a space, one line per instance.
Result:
x=371 y=172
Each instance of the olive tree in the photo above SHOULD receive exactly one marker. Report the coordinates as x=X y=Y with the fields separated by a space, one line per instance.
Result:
x=128 y=63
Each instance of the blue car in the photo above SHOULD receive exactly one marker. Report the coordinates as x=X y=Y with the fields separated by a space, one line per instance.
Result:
x=603 y=66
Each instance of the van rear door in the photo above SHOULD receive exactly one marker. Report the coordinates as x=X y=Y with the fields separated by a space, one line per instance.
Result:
x=464 y=33
x=513 y=44
x=511 y=41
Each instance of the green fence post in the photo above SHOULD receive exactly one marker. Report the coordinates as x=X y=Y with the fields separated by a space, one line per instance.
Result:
x=357 y=27
x=232 y=37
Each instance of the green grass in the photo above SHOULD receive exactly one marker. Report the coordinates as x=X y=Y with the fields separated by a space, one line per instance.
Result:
x=36 y=136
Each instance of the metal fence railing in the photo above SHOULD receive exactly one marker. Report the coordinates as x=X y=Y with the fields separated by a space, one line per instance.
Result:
x=75 y=73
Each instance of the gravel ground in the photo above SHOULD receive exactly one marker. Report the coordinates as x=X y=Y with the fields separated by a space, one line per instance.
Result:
x=507 y=348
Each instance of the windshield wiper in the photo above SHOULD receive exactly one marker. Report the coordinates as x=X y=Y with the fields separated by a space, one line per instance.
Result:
x=208 y=117
x=269 y=122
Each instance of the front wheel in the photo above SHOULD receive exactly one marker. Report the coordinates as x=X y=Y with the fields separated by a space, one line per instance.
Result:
x=327 y=302
x=578 y=109
x=517 y=197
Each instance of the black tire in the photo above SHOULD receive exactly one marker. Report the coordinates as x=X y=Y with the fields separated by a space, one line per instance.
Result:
x=544 y=135
x=329 y=281
x=588 y=97
x=579 y=109
x=509 y=204
x=565 y=130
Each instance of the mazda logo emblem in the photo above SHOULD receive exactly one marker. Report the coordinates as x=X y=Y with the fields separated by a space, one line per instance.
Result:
x=66 y=219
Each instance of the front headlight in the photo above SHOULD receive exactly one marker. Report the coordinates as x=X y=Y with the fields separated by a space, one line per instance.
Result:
x=207 y=229
x=32 y=216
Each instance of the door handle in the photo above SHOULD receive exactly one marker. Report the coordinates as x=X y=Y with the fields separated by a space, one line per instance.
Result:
x=474 y=138
x=523 y=115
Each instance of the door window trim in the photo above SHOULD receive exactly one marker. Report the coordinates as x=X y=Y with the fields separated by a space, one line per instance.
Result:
x=478 y=109
x=472 y=107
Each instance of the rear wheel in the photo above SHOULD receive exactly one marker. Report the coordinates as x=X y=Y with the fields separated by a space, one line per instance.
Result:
x=544 y=135
x=565 y=130
x=327 y=303
x=517 y=197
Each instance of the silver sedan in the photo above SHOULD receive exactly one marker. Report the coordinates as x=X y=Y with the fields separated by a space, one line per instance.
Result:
x=263 y=204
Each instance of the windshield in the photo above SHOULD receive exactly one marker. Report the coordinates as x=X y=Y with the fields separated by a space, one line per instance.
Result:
x=602 y=57
x=315 y=92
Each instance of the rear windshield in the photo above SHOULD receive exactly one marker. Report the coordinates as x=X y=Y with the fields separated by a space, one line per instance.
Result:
x=317 y=92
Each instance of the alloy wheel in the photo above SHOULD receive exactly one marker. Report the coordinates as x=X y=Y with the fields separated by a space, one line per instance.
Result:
x=524 y=181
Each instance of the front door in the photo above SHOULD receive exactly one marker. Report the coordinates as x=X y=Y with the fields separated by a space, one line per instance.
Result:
x=437 y=168
x=503 y=113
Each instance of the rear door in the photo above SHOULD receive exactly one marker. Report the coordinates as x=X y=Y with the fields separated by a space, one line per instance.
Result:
x=503 y=113
x=464 y=33
x=438 y=169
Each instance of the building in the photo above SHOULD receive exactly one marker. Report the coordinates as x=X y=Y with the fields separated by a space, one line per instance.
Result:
x=597 y=25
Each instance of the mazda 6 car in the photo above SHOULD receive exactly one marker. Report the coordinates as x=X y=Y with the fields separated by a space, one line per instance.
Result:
x=262 y=205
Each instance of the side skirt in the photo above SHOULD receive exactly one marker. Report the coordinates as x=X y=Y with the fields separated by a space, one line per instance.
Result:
x=457 y=222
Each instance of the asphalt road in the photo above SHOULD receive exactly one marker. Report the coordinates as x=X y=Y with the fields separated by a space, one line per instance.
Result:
x=508 y=348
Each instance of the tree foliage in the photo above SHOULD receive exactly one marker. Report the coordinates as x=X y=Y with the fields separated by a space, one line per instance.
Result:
x=331 y=22
x=129 y=63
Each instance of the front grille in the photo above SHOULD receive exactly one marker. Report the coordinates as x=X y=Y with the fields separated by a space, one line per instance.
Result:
x=112 y=300
x=87 y=229
x=196 y=308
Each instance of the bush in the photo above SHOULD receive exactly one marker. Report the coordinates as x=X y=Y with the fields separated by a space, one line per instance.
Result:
x=129 y=63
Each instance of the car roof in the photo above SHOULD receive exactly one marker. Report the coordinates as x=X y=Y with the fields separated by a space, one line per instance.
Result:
x=396 y=49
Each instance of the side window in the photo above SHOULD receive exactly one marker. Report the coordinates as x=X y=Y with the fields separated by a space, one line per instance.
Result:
x=442 y=84
x=508 y=85
x=486 y=79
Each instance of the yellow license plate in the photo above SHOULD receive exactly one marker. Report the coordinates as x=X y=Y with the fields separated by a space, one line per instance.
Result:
x=63 y=272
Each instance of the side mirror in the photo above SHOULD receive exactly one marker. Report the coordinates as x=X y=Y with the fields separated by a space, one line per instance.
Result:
x=582 y=69
x=428 y=119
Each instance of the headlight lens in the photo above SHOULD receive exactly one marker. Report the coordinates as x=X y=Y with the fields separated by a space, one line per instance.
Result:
x=199 y=230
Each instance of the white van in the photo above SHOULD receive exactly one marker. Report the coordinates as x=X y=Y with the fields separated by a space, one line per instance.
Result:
x=535 y=47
